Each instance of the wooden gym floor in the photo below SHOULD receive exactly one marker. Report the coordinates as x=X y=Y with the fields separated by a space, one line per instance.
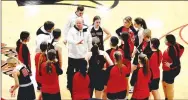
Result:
x=162 y=17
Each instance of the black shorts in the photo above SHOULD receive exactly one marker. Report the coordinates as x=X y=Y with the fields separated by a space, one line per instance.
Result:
x=26 y=93
x=169 y=76
x=154 y=85
x=118 y=95
x=97 y=80
x=47 y=96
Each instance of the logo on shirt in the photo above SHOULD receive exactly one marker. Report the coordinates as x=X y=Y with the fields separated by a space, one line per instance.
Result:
x=25 y=72
x=93 y=4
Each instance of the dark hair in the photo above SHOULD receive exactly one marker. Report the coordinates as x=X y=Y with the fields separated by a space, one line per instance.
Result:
x=83 y=67
x=43 y=46
x=171 y=39
x=23 y=36
x=144 y=60
x=48 y=25
x=114 y=41
x=141 y=21
x=155 y=44
x=51 y=56
x=96 y=18
x=172 y=48
x=126 y=49
x=56 y=33
x=80 y=8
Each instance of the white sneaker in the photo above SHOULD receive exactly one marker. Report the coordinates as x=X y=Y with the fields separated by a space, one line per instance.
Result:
x=131 y=89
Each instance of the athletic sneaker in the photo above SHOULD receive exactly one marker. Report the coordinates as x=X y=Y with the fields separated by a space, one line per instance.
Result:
x=131 y=89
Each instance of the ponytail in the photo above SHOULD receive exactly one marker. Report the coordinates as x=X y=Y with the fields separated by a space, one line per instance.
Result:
x=118 y=57
x=18 y=43
x=146 y=66
x=83 y=67
x=49 y=67
x=41 y=58
x=144 y=61
x=144 y=24
x=126 y=49
x=95 y=50
x=141 y=21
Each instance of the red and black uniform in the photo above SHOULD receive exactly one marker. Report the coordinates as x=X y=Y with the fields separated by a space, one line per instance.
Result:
x=141 y=85
x=26 y=89
x=154 y=63
x=127 y=61
x=38 y=68
x=80 y=88
x=50 y=83
x=169 y=73
x=131 y=32
x=144 y=47
x=111 y=53
x=96 y=74
x=24 y=55
x=116 y=82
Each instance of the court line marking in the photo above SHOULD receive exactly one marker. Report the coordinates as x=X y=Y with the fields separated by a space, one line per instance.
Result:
x=180 y=33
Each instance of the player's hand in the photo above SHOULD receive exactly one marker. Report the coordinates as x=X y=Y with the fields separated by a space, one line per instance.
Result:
x=168 y=64
x=65 y=42
x=80 y=42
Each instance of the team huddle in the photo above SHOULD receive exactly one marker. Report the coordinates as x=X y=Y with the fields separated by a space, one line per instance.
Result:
x=93 y=70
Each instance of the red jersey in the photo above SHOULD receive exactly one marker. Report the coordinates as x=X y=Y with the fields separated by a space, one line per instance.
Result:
x=116 y=80
x=37 y=76
x=141 y=87
x=154 y=63
x=24 y=54
x=80 y=89
x=127 y=62
x=131 y=35
x=50 y=83
x=111 y=53
x=166 y=57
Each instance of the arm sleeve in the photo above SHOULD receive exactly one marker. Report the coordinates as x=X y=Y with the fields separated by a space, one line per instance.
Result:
x=140 y=37
x=66 y=29
x=118 y=31
x=134 y=77
x=89 y=42
x=58 y=69
x=134 y=30
x=25 y=53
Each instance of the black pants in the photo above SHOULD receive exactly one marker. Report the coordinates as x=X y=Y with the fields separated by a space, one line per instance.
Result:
x=96 y=81
x=73 y=66
x=169 y=76
x=26 y=93
x=47 y=96
x=118 y=95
